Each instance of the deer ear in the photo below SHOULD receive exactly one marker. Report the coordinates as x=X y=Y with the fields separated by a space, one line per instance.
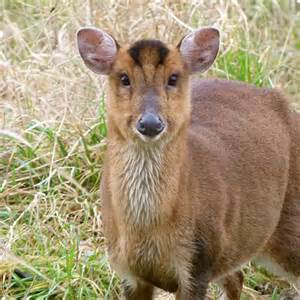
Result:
x=97 y=48
x=199 y=49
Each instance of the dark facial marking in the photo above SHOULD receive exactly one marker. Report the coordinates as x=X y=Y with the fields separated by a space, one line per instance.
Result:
x=155 y=46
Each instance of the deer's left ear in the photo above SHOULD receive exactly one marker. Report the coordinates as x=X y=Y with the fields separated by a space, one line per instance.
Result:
x=199 y=49
x=97 y=48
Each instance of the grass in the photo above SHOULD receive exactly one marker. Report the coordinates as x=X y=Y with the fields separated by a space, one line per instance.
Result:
x=52 y=127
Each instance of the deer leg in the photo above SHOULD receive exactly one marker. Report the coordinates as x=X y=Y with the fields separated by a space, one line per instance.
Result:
x=194 y=291
x=232 y=285
x=138 y=292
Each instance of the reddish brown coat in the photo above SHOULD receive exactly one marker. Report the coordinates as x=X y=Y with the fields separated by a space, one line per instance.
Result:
x=220 y=186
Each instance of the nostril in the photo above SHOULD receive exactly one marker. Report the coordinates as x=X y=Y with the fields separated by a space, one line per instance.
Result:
x=160 y=125
x=141 y=126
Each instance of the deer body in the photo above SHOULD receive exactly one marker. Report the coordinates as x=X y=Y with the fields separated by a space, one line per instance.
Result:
x=201 y=184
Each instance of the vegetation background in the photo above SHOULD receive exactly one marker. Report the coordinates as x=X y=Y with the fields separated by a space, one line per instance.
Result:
x=52 y=127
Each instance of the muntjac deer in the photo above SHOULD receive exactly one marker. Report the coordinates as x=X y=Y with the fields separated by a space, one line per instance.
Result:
x=201 y=176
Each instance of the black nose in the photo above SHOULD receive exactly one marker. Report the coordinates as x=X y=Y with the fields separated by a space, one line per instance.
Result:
x=150 y=125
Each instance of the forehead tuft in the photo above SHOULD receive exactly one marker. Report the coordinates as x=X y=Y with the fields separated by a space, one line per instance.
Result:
x=148 y=52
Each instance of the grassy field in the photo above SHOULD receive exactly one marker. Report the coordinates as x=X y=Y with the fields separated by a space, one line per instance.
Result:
x=52 y=127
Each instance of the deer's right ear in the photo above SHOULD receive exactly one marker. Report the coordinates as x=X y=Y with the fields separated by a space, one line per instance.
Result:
x=97 y=48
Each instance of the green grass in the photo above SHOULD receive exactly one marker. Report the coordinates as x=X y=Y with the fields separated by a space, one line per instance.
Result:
x=52 y=128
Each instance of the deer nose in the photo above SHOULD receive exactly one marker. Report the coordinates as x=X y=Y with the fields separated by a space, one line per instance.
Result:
x=150 y=125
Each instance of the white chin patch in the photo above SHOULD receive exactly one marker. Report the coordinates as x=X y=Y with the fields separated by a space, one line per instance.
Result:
x=148 y=139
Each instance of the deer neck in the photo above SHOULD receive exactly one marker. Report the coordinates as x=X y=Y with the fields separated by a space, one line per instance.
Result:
x=146 y=178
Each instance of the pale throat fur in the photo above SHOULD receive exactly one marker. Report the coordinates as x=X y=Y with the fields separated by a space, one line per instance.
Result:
x=141 y=173
x=139 y=177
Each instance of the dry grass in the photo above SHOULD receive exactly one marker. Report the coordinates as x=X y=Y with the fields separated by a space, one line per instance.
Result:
x=52 y=126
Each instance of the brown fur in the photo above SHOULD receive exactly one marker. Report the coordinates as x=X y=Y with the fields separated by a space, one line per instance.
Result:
x=218 y=188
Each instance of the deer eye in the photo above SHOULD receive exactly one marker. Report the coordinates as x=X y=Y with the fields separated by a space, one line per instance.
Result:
x=124 y=80
x=172 y=80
